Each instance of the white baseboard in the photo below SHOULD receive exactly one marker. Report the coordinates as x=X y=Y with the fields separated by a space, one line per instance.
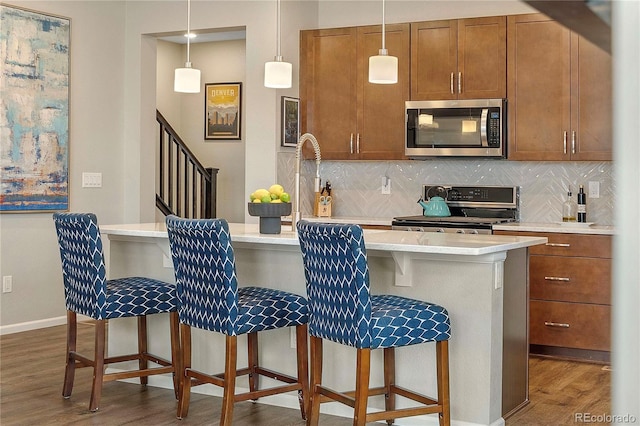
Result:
x=35 y=325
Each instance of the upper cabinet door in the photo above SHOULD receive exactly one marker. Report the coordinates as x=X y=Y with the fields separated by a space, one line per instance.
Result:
x=328 y=85
x=459 y=59
x=539 y=89
x=591 y=104
x=434 y=60
x=380 y=107
x=482 y=58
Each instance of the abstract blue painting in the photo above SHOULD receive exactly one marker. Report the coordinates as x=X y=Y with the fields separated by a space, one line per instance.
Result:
x=34 y=111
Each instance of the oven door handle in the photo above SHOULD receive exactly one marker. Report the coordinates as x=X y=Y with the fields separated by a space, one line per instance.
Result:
x=483 y=127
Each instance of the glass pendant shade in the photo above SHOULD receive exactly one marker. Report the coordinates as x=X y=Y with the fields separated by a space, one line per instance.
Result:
x=383 y=69
x=187 y=80
x=277 y=74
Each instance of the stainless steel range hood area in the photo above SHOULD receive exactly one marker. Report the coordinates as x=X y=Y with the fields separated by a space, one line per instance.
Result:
x=589 y=18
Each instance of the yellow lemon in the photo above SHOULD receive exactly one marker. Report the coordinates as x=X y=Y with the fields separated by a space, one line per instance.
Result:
x=276 y=189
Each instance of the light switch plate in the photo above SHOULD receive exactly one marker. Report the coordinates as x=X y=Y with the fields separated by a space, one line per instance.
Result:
x=91 y=180
x=594 y=189
x=386 y=185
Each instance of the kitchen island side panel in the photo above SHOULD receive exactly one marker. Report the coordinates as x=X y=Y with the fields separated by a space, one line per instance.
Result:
x=470 y=287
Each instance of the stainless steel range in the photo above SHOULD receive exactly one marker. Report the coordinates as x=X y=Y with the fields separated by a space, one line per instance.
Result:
x=474 y=209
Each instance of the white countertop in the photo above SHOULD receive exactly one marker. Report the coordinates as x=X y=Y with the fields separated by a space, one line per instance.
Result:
x=558 y=227
x=383 y=240
x=362 y=221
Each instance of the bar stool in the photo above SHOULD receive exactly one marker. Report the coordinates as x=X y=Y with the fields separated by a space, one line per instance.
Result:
x=342 y=310
x=88 y=292
x=210 y=299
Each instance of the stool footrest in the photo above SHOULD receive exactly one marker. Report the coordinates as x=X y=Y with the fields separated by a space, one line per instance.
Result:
x=422 y=399
x=265 y=392
x=403 y=412
x=137 y=373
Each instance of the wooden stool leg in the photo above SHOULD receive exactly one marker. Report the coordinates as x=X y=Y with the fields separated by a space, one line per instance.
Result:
x=302 y=354
x=252 y=347
x=389 y=380
x=185 y=364
x=70 y=369
x=231 y=358
x=316 y=380
x=98 y=367
x=363 y=366
x=176 y=356
x=143 y=363
x=442 y=361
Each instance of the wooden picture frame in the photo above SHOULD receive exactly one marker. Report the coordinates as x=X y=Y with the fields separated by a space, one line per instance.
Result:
x=35 y=65
x=223 y=111
x=290 y=131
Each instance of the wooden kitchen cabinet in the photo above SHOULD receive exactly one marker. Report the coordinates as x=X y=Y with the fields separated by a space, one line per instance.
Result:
x=351 y=118
x=570 y=295
x=459 y=59
x=559 y=93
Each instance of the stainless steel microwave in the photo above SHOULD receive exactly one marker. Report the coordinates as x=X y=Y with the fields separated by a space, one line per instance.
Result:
x=457 y=128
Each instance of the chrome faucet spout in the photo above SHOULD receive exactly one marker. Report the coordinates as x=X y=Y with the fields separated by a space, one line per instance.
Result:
x=295 y=217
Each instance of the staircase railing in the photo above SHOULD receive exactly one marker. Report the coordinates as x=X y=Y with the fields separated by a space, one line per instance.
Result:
x=185 y=188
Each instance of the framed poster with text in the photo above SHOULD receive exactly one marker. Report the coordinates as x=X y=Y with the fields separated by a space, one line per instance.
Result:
x=290 y=121
x=223 y=111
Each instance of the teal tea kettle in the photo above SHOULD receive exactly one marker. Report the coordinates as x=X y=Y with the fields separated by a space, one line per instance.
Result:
x=436 y=206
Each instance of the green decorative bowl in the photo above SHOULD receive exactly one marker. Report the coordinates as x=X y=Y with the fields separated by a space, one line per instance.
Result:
x=269 y=214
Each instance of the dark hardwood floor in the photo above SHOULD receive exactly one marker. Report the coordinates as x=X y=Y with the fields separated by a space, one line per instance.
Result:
x=32 y=370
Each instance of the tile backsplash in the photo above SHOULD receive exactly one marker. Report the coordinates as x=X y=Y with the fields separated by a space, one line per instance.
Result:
x=543 y=185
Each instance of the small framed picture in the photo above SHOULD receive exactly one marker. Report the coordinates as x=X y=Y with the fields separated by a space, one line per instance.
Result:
x=222 y=110
x=290 y=121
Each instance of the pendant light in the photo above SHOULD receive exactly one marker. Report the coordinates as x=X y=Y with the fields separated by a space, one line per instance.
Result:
x=383 y=69
x=277 y=74
x=187 y=79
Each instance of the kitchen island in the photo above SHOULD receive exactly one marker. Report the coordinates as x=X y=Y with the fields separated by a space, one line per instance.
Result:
x=480 y=279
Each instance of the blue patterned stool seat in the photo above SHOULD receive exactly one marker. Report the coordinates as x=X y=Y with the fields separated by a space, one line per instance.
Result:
x=341 y=309
x=398 y=321
x=210 y=299
x=136 y=296
x=88 y=292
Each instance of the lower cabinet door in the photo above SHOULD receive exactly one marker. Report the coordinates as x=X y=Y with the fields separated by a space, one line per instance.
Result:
x=570 y=325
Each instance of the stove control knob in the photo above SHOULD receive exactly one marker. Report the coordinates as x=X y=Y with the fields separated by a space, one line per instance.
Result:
x=460 y=231
x=473 y=231
x=441 y=230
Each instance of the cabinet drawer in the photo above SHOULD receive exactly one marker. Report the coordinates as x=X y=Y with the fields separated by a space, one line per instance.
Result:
x=570 y=279
x=570 y=325
x=577 y=245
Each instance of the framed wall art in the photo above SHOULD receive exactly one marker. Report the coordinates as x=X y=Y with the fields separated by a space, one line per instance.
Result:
x=34 y=118
x=223 y=111
x=290 y=121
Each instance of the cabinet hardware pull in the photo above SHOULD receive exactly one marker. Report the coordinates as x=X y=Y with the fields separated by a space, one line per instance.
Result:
x=459 y=82
x=452 y=92
x=573 y=142
x=358 y=143
x=556 y=324
x=558 y=245
x=564 y=141
x=351 y=144
x=564 y=279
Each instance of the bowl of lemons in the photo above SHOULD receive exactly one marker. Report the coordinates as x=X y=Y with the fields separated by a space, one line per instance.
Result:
x=270 y=205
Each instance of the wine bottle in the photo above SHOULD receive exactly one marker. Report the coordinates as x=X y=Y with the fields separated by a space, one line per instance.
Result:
x=582 y=205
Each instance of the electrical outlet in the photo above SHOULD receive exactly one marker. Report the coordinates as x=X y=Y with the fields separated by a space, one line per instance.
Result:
x=386 y=185
x=7 y=284
x=91 y=180
x=594 y=189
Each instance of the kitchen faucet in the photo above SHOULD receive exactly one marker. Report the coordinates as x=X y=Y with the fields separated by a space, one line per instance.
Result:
x=296 y=216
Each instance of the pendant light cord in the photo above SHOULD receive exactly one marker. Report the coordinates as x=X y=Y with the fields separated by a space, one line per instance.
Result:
x=188 y=31
x=278 y=55
x=383 y=37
